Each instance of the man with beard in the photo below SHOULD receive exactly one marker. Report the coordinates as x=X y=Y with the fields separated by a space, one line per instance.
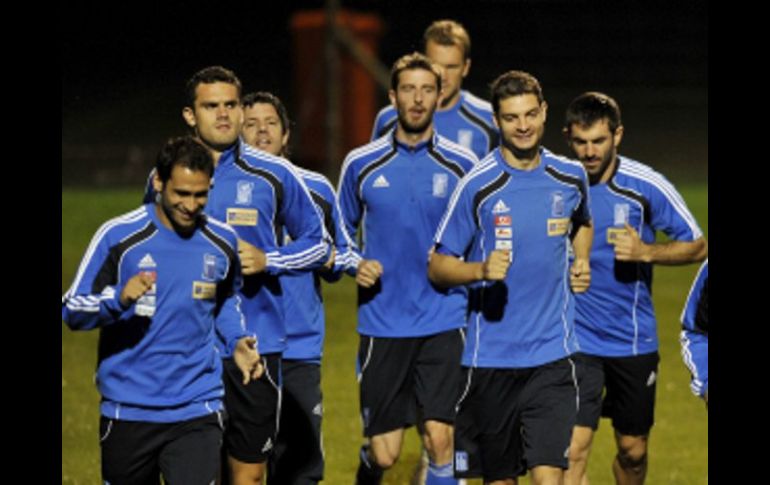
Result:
x=411 y=333
x=460 y=116
x=615 y=319
x=507 y=233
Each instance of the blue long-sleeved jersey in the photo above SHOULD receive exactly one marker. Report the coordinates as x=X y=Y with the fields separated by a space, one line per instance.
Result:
x=527 y=319
x=263 y=198
x=303 y=302
x=398 y=194
x=695 y=331
x=158 y=360
x=615 y=317
x=468 y=123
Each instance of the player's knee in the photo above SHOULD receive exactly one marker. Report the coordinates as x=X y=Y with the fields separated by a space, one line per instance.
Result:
x=383 y=457
x=633 y=459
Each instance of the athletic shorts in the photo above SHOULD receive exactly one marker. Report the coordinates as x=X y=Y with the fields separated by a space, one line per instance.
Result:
x=253 y=410
x=629 y=391
x=298 y=455
x=512 y=420
x=138 y=452
x=400 y=377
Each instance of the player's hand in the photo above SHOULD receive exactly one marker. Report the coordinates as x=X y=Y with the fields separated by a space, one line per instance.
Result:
x=496 y=265
x=253 y=259
x=136 y=286
x=248 y=360
x=580 y=275
x=329 y=264
x=369 y=271
x=629 y=246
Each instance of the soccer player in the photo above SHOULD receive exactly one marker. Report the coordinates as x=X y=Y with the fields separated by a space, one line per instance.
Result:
x=695 y=333
x=615 y=319
x=263 y=198
x=298 y=455
x=160 y=284
x=461 y=116
x=507 y=233
x=411 y=333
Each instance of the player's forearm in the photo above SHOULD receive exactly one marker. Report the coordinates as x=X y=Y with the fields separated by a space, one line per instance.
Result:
x=581 y=243
x=676 y=252
x=446 y=271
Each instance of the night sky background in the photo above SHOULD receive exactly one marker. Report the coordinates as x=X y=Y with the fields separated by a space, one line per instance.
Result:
x=124 y=67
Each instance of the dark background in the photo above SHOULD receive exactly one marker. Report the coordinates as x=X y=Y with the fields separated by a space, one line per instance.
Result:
x=124 y=67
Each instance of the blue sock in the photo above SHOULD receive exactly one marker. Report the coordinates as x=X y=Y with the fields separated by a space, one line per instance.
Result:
x=440 y=474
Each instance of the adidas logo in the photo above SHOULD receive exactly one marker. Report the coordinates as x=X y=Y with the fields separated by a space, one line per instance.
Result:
x=651 y=379
x=500 y=207
x=268 y=445
x=381 y=181
x=318 y=410
x=147 y=262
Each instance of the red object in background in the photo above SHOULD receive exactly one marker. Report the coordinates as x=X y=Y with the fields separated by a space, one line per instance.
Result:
x=358 y=90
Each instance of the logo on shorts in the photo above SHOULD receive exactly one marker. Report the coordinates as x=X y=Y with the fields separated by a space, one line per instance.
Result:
x=461 y=461
x=365 y=417
x=268 y=445
x=318 y=409
x=651 y=379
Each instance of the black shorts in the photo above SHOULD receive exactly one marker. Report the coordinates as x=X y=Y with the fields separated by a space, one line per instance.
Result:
x=253 y=410
x=138 y=452
x=512 y=420
x=400 y=376
x=298 y=455
x=629 y=399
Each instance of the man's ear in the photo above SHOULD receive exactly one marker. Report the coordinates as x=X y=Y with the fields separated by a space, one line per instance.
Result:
x=189 y=116
x=157 y=184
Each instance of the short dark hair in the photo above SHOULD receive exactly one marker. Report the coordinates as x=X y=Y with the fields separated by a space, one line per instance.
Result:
x=184 y=151
x=210 y=75
x=514 y=83
x=590 y=107
x=415 y=60
x=448 y=32
x=263 y=97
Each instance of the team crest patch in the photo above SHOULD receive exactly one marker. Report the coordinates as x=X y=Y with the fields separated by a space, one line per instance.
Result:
x=241 y=217
x=243 y=192
x=557 y=204
x=621 y=214
x=440 y=184
x=465 y=138
x=203 y=290
x=209 y=267
x=558 y=227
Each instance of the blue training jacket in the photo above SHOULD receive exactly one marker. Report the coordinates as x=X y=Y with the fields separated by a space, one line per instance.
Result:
x=302 y=298
x=695 y=332
x=157 y=359
x=397 y=195
x=527 y=319
x=615 y=317
x=263 y=197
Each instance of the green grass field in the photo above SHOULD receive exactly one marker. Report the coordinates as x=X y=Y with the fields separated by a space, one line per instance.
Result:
x=679 y=441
